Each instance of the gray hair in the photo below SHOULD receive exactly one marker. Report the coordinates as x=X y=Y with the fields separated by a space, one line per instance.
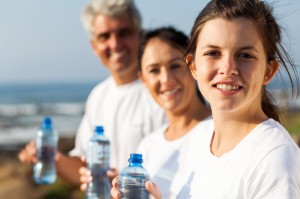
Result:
x=111 y=8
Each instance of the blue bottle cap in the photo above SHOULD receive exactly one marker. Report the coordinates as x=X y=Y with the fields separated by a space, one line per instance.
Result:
x=99 y=130
x=136 y=158
x=47 y=123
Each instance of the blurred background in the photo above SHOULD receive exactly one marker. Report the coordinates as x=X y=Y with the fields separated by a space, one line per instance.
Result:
x=47 y=68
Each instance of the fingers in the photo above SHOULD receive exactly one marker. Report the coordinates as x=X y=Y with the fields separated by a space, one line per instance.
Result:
x=112 y=173
x=153 y=190
x=83 y=159
x=114 y=190
x=27 y=155
x=85 y=177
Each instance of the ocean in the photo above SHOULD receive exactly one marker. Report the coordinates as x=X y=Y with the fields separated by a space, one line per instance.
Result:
x=23 y=107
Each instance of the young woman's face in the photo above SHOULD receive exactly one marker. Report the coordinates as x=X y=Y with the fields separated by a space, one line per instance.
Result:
x=165 y=75
x=230 y=65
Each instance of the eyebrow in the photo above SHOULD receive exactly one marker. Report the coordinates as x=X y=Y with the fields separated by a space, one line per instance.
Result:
x=115 y=31
x=249 y=48
x=171 y=60
x=242 y=48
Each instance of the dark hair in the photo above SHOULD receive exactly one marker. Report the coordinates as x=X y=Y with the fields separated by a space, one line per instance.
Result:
x=260 y=13
x=171 y=36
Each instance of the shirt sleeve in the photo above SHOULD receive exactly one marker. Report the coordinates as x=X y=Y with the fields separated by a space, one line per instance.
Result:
x=277 y=175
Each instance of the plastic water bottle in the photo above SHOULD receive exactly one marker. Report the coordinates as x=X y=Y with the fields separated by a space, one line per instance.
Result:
x=44 y=171
x=98 y=154
x=132 y=179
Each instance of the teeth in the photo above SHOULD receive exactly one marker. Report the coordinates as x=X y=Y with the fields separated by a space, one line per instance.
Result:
x=226 y=87
x=117 y=55
x=170 y=92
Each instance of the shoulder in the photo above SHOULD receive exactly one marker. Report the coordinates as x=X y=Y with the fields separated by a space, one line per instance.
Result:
x=105 y=84
x=154 y=138
x=273 y=134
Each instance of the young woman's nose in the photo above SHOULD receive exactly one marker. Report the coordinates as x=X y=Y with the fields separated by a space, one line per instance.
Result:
x=228 y=66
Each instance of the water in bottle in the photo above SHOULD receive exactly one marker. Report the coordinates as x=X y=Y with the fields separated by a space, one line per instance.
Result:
x=132 y=179
x=98 y=155
x=44 y=171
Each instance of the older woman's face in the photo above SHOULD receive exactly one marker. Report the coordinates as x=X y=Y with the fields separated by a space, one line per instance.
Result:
x=165 y=74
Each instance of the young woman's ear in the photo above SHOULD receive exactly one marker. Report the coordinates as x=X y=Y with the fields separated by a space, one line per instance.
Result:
x=191 y=64
x=271 y=70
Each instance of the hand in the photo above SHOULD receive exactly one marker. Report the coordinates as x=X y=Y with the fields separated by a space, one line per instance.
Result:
x=86 y=176
x=153 y=190
x=151 y=187
x=27 y=155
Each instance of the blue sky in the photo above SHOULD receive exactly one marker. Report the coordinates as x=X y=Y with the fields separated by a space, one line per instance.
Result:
x=43 y=41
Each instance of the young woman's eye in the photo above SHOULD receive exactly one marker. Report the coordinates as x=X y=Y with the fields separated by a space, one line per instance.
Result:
x=246 y=56
x=212 y=53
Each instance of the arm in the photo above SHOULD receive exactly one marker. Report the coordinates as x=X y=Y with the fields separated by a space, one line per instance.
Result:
x=68 y=167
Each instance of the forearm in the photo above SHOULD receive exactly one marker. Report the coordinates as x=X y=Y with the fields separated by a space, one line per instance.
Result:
x=68 y=168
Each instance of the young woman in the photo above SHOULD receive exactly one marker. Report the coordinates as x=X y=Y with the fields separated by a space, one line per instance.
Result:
x=164 y=72
x=234 y=52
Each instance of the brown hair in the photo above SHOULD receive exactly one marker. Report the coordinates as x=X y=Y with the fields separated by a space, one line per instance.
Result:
x=260 y=13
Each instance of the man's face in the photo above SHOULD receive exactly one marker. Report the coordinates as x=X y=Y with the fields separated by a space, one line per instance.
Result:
x=116 y=42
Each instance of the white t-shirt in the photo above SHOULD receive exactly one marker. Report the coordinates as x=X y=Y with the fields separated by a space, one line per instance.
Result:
x=264 y=165
x=166 y=161
x=128 y=113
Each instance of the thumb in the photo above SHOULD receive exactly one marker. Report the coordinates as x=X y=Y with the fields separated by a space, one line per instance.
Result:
x=153 y=190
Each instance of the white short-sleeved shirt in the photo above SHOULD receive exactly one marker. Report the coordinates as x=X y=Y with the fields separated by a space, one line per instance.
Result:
x=128 y=113
x=265 y=164
x=166 y=161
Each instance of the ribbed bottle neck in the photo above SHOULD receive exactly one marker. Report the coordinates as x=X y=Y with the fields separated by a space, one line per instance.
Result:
x=135 y=164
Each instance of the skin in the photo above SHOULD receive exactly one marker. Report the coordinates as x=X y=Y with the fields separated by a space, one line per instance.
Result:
x=231 y=74
x=115 y=43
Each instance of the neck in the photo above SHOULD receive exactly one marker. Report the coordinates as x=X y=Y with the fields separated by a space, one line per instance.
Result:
x=125 y=79
x=181 y=123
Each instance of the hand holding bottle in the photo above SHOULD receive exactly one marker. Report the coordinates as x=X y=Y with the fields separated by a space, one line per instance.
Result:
x=151 y=187
x=28 y=154
x=86 y=176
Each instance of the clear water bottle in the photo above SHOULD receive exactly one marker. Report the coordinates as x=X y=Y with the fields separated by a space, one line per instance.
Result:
x=98 y=154
x=44 y=170
x=132 y=179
